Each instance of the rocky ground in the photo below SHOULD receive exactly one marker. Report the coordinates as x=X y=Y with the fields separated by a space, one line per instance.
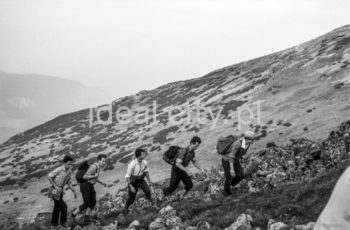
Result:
x=282 y=184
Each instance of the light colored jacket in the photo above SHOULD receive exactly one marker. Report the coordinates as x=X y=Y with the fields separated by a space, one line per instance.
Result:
x=237 y=150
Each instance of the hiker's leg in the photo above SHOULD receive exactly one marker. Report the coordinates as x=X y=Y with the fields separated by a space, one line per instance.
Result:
x=239 y=173
x=347 y=147
x=186 y=180
x=228 y=177
x=92 y=199
x=85 y=192
x=55 y=212
x=145 y=188
x=174 y=182
x=63 y=217
x=132 y=196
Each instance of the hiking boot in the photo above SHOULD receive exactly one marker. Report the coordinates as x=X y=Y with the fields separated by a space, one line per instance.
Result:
x=158 y=203
x=86 y=219
x=93 y=219
x=126 y=211
x=73 y=213
x=182 y=194
x=225 y=193
x=160 y=195
x=64 y=226
x=53 y=227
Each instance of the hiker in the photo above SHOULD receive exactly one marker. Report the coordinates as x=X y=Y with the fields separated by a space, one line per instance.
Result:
x=87 y=188
x=179 y=172
x=83 y=184
x=58 y=178
x=135 y=176
x=234 y=154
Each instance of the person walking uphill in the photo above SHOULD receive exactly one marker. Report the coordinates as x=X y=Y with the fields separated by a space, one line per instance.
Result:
x=88 y=190
x=234 y=154
x=58 y=178
x=179 y=172
x=135 y=176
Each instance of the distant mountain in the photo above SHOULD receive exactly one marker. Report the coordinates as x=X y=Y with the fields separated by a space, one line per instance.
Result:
x=302 y=91
x=29 y=100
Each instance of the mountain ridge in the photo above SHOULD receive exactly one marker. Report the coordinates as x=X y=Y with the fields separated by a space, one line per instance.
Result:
x=28 y=100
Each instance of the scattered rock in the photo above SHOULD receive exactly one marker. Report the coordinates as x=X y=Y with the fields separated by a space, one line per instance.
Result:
x=203 y=225
x=278 y=226
x=309 y=226
x=243 y=222
x=157 y=224
x=287 y=124
x=134 y=225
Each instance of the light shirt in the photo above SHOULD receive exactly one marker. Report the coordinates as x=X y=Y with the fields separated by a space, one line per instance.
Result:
x=92 y=171
x=243 y=144
x=136 y=168
x=235 y=152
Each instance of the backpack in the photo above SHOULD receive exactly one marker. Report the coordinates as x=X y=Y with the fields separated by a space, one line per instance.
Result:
x=224 y=144
x=169 y=156
x=83 y=167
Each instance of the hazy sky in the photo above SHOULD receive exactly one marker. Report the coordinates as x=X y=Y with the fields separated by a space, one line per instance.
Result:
x=133 y=45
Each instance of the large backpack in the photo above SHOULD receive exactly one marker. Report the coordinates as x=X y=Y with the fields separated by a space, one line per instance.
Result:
x=82 y=169
x=169 y=156
x=224 y=144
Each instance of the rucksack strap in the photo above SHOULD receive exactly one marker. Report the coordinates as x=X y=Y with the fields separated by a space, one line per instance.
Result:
x=185 y=155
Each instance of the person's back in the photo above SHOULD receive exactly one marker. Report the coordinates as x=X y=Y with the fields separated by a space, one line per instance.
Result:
x=235 y=151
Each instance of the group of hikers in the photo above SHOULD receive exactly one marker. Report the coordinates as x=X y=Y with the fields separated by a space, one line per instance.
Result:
x=232 y=149
x=138 y=176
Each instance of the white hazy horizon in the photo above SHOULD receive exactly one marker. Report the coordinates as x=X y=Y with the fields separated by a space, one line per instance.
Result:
x=128 y=46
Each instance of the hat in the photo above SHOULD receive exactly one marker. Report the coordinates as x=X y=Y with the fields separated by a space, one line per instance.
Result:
x=249 y=135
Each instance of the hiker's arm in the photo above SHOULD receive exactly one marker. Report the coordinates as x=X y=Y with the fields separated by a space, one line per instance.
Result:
x=53 y=182
x=130 y=185
x=146 y=170
x=128 y=175
x=102 y=183
x=247 y=156
x=70 y=186
x=128 y=181
x=149 y=179
x=179 y=159
x=90 y=173
x=195 y=163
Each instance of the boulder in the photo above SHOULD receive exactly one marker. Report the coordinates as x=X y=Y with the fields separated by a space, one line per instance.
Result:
x=243 y=222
